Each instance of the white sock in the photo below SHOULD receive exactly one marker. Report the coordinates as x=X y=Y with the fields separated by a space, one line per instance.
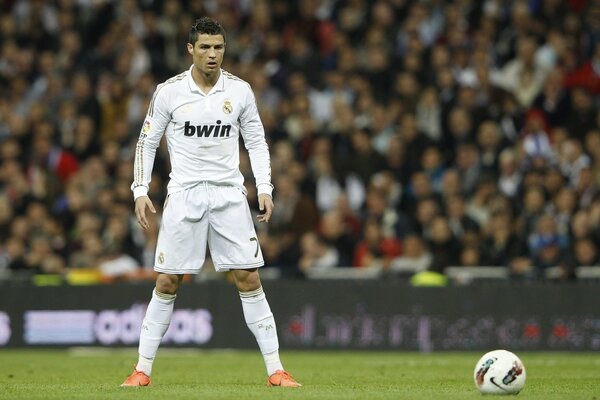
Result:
x=259 y=319
x=156 y=322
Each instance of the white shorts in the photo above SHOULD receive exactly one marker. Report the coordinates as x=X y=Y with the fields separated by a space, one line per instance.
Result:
x=217 y=215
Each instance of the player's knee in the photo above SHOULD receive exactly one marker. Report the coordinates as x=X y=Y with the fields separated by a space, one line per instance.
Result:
x=167 y=284
x=248 y=282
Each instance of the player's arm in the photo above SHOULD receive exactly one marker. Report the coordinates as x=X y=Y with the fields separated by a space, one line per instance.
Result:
x=153 y=128
x=253 y=132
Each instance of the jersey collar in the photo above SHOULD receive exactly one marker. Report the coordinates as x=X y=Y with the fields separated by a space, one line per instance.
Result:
x=219 y=86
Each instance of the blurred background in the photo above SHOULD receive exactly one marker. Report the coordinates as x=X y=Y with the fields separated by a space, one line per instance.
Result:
x=406 y=136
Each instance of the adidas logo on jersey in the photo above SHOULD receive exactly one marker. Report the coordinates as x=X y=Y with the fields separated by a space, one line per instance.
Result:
x=217 y=130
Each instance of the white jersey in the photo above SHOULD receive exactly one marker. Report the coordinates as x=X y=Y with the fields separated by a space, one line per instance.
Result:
x=202 y=133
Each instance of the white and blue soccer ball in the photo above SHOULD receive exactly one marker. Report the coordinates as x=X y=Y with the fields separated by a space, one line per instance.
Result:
x=499 y=372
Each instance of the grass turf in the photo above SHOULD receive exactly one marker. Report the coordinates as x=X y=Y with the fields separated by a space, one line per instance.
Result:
x=196 y=374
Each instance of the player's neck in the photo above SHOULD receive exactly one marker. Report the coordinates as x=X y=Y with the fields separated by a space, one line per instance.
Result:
x=205 y=81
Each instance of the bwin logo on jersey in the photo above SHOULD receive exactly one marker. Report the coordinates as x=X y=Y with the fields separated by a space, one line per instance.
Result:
x=217 y=130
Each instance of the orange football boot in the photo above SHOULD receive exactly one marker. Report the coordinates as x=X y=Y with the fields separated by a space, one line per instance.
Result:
x=137 y=378
x=283 y=379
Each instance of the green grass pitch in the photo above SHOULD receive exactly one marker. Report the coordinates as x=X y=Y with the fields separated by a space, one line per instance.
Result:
x=197 y=374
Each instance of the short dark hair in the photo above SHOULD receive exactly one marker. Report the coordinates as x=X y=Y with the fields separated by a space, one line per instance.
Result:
x=207 y=26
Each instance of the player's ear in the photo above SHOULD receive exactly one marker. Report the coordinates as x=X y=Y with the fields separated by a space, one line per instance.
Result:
x=190 y=48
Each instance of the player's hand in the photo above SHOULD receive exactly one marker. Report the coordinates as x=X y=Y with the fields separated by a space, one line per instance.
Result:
x=140 y=210
x=265 y=203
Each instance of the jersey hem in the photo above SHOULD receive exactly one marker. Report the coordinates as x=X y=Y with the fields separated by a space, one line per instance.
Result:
x=227 y=267
x=177 y=271
x=218 y=268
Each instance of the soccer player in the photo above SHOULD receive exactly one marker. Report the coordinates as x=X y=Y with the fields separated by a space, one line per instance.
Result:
x=202 y=112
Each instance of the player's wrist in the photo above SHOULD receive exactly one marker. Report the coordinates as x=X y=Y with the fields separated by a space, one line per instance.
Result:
x=139 y=192
x=265 y=188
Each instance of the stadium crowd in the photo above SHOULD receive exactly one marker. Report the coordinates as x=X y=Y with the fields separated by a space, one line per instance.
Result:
x=409 y=135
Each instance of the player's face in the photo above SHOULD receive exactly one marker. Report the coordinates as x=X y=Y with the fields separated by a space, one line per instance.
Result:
x=207 y=53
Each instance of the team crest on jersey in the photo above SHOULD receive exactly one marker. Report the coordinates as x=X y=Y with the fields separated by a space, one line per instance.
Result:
x=161 y=258
x=146 y=127
x=227 y=107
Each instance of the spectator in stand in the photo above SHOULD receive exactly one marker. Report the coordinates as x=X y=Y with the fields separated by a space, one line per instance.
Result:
x=460 y=223
x=582 y=116
x=419 y=188
x=414 y=141
x=586 y=253
x=377 y=207
x=588 y=75
x=585 y=187
x=14 y=255
x=594 y=217
x=461 y=130
x=49 y=159
x=536 y=139
x=443 y=246
x=88 y=256
x=450 y=184
x=470 y=256
x=296 y=214
x=415 y=257
x=316 y=254
x=432 y=164
x=42 y=259
x=477 y=207
x=553 y=181
x=562 y=208
x=375 y=249
x=523 y=76
x=554 y=99
x=534 y=202
x=572 y=160
x=469 y=166
x=547 y=246
x=489 y=141
x=340 y=233
x=509 y=178
x=592 y=147
x=429 y=114
x=427 y=209
x=365 y=161
x=500 y=243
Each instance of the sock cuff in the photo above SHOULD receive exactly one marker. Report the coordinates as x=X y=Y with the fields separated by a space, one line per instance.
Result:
x=263 y=318
x=164 y=296
x=252 y=293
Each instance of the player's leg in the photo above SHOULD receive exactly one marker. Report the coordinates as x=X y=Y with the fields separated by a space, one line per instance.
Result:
x=180 y=249
x=155 y=325
x=258 y=316
x=157 y=319
x=261 y=323
x=234 y=246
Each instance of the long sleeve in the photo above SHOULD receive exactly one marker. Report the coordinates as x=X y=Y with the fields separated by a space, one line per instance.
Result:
x=157 y=119
x=253 y=132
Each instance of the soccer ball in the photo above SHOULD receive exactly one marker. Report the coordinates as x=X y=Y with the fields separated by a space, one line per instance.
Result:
x=499 y=372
